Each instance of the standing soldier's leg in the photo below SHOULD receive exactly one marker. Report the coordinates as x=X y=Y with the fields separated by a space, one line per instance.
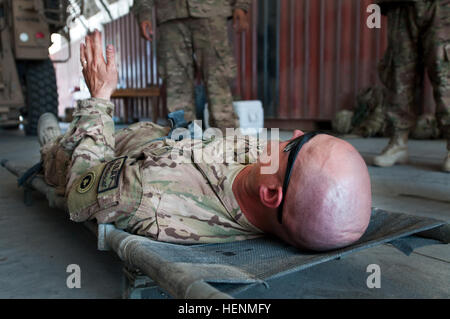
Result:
x=398 y=72
x=437 y=58
x=214 y=56
x=176 y=66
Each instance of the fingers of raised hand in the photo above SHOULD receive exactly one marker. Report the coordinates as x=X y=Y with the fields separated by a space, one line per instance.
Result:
x=88 y=51
x=110 y=57
x=91 y=53
x=83 y=58
x=97 y=47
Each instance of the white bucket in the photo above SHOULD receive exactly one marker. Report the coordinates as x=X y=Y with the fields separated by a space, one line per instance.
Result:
x=250 y=114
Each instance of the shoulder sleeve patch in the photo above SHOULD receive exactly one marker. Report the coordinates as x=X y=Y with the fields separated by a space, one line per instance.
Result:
x=111 y=174
x=86 y=183
x=83 y=194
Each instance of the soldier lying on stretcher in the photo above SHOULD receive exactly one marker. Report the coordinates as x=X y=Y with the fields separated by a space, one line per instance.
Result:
x=318 y=198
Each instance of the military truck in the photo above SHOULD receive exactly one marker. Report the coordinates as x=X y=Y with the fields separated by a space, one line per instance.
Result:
x=27 y=75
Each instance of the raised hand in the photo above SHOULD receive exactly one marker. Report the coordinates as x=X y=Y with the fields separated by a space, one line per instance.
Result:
x=101 y=76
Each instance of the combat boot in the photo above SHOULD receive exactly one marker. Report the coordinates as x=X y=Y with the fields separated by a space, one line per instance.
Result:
x=446 y=167
x=395 y=152
x=48 y=128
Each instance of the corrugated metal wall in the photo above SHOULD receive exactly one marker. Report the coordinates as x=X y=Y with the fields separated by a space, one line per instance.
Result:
x=305 y=59
x=68 y=75
x=323 y=53
x=136 y=60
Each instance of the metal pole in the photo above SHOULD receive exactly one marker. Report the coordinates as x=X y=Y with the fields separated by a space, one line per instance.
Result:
x=179 y=281
x=38 y=184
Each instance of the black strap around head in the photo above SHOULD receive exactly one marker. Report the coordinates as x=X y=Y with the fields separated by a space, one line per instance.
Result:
x=294 y=148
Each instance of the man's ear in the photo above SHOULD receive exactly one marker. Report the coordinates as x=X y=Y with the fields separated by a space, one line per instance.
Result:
x=271 y=195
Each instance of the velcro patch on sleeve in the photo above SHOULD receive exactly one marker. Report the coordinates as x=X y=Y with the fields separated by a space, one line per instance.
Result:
x=111 y=175
x=83 y=194
x=86 y=183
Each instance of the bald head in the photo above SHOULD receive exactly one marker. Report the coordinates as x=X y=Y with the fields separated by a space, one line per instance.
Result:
x=328 y=201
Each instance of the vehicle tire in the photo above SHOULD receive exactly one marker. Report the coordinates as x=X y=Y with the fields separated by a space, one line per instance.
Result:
x=41 y=92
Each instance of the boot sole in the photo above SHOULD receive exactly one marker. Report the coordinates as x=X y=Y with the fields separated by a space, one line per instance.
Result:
x=402 y=160
x=446 y=169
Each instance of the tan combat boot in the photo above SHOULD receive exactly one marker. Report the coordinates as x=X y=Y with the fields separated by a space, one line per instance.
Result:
x=446 y=167
x=48 y=128
x=395 y=152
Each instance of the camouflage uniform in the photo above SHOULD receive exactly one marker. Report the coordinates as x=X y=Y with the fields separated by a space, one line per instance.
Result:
x=419 y=36
x=148 y=187
x=188 y=28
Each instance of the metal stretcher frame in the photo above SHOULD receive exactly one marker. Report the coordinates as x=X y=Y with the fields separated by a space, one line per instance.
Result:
x=129 y=249
x=178 y=279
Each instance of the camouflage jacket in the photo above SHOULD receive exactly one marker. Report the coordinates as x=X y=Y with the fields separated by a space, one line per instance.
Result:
x=193 y=200
x=178 y=192
x=188 y=198
x=179 y=9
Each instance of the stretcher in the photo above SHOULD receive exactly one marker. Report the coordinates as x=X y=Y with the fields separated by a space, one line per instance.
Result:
x=221 y=270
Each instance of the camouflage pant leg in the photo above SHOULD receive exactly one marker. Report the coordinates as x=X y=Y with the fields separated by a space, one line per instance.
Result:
x=436 y=44
x=88 y=142
x=214 y=56
x=399 y=66
x=176 y=66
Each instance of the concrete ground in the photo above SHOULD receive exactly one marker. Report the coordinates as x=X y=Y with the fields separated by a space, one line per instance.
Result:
x=37 y=243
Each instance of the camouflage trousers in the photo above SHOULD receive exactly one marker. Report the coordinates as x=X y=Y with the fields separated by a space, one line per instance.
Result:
x=418 y=39
x=91 y=142
x=187 y=45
